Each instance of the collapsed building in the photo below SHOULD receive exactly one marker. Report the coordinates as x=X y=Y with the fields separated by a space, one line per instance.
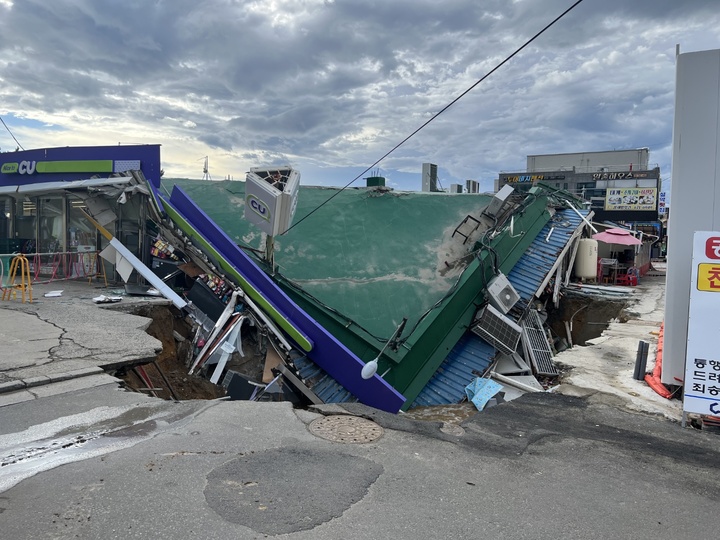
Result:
x=393 y=299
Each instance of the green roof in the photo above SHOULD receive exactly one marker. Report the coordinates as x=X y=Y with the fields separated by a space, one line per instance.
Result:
x=375 y=256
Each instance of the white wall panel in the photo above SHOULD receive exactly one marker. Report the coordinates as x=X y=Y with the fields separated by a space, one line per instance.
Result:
x=695 y=194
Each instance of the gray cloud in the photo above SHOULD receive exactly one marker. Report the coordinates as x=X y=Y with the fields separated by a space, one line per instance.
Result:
x=336 y=84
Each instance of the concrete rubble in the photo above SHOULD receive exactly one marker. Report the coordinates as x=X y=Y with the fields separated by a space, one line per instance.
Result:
x=65 y=337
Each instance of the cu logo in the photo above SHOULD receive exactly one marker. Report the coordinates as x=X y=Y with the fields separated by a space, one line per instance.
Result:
x=712 y=248
x=258 y=207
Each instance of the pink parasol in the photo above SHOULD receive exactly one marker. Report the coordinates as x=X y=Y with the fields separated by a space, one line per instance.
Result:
x=617 y=236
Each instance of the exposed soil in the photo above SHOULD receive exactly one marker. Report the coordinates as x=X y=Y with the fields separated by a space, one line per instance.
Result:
x=587 y=317
x=173 y=362
x=169 y=378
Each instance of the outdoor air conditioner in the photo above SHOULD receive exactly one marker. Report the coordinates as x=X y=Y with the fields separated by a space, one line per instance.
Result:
x=501 y=294
x=536 y=344
x=511 y=364
x=498 y=201
x=496 y=329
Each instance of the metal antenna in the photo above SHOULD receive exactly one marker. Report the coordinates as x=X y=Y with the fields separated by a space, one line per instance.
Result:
x=206 y=169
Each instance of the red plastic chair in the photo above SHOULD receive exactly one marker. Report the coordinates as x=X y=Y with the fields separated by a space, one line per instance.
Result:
x=628 y=280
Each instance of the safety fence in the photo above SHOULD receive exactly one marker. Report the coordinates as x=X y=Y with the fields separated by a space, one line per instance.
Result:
x=56 y=266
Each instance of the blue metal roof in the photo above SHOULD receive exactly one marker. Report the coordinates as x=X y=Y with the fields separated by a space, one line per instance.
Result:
x=470 y=358
x=471 y=355
x=537 y=261
x=324 y=386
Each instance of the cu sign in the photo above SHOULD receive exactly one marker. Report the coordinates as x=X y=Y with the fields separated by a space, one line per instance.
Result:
x=259 y=207
x=26 y=167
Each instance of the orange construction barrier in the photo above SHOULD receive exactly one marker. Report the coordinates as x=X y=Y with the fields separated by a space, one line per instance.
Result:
x=653 y=379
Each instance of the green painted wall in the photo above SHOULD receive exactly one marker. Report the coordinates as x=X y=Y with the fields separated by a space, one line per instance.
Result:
x=374 y=258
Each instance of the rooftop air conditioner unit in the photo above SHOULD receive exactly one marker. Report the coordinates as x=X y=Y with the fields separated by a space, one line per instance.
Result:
x=496 y=329
x=536 y=345
x=511 y=364
x=501 y=294
x=498 y=201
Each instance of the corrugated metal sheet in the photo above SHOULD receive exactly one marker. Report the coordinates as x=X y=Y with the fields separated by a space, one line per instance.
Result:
x=471 y=354
x=324 y=386
x=532 y=268
x=470 y=357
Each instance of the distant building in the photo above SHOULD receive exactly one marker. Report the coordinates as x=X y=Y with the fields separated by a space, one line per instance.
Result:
x=611 y=160
x=619 y=185
x=429 y=177
x=472 y=186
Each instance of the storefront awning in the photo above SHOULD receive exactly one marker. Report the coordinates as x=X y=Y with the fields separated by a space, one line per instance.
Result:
x=49 y=187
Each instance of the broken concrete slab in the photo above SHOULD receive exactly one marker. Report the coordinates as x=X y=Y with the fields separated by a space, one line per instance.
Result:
x=63 y=338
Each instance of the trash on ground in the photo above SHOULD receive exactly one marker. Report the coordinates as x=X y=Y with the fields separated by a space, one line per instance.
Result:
x=480 y=391
x=102 y=299
x=52 y=294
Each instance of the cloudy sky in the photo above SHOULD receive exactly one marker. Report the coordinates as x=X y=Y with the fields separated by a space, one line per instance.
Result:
x=330 y=86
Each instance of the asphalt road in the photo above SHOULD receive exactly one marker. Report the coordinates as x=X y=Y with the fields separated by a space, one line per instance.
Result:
x=542 y=466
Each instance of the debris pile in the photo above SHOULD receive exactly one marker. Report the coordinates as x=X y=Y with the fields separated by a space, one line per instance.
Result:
x=246 y=335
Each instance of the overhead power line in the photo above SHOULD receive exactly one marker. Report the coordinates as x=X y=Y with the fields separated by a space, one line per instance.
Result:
x=11 y=133
x=441 y=111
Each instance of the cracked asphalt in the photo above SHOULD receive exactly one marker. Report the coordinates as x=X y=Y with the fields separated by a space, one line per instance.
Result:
x=69 y=336
x=81 y=458
x=542 y=466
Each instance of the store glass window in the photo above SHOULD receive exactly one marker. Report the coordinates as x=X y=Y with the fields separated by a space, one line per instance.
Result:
x=81 y=234
x=8 y=245
x=26 y=224
x=51 y=225
x=6 y=205
x=128 y=226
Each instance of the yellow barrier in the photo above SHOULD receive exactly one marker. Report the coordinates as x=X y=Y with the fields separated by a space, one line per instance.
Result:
x=25 y=284
x=59 y=266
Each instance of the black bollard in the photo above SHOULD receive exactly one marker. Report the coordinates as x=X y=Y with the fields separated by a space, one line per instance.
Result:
x=641 y=360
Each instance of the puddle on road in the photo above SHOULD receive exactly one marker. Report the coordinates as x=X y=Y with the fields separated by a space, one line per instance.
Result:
x=28 y=458
x=42 y=449
x=449 y=414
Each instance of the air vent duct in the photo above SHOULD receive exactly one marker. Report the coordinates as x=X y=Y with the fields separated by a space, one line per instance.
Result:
x=496 y=329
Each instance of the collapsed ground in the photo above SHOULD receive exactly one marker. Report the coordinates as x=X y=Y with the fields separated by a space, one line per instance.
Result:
x=167 y=377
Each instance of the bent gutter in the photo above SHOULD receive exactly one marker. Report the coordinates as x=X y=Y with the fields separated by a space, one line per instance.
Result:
x=321 y=346
x=155 y=195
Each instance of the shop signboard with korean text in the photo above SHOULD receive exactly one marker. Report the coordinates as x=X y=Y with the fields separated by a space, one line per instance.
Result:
x=702 y=363
x=644 y=199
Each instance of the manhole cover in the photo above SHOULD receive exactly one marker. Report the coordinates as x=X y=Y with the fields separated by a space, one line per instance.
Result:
x=346 y=429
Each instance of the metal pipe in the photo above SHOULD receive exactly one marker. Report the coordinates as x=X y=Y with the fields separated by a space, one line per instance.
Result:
x=581 y=216
x=166 y=381
x=512 y=382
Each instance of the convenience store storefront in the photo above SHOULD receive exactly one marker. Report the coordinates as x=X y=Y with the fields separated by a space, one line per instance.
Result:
x=45 y=192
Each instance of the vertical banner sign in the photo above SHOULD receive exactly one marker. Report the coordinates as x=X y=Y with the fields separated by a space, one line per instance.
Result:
x=661 y=203
x=702 y=362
